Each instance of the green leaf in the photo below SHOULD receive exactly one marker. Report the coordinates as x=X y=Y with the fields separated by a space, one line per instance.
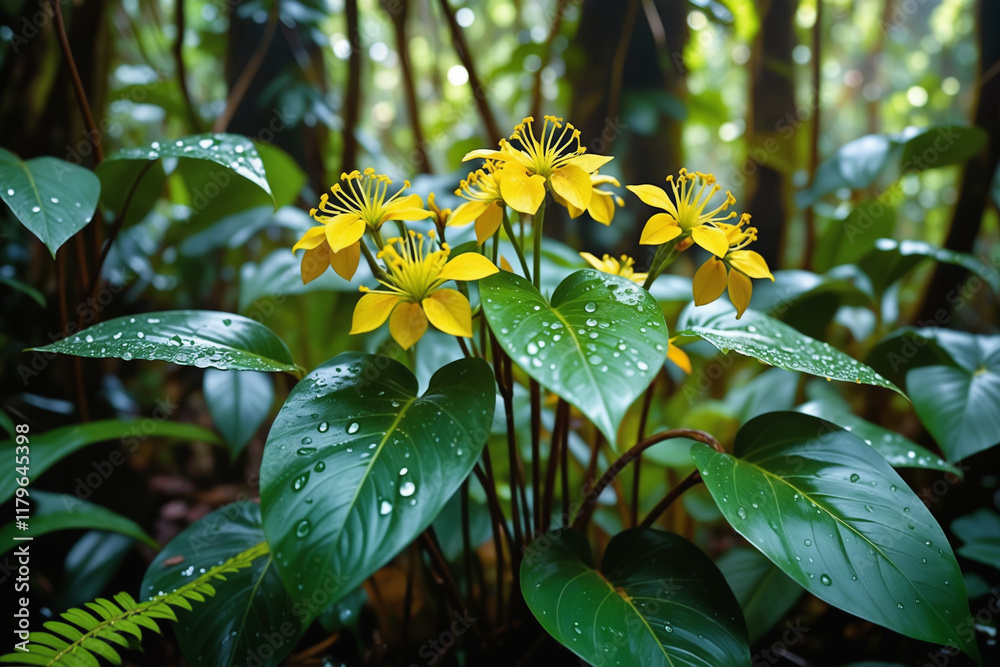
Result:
x=51 y=512
x=775 y=343
x=239 y=402
x=49 y=448
x=857 y=164
x=90 y=565
x=981 y=533
x=53 y=198
x=836 y=518
x=958 y=403
x=890 y=260
x=597 y=343
x=27 y=290
x=252 y=605
x=765 y=593
x=201 y=338
x=847 y=241
x=232 y=151
x=657 y=600
x=900 y=452
x=356 y=465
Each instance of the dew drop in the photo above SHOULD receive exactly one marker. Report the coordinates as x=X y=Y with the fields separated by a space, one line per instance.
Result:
x=590 y=307
x=855 y=477
x=407 y=489
x=323 y=427
x=385 y=508
x=305 y=451
x=742 y=513
x=303 y=528
x=353 y=428
x=825 y=580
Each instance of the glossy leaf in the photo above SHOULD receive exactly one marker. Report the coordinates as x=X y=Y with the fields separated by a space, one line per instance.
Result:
x=51 y=512
x=49 y=448
x=959 y=403
x=980 y=531
x=52 y=198
x=890 y=260
x=836 y=518
x=775 y=343
x=239 y=402
x=90 y=566
x=765 y=593
x=598 y=342
x=233 y=152
x=199 y=338
x=251 y=608
x=657 y=600
x=899 y=451
x=847 y=241
x=357 y=465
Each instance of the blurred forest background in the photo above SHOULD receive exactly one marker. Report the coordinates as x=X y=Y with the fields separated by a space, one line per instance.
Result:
x=759 y=93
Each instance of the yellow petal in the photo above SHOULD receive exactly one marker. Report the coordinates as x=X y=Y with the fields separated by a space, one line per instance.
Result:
x=488 y=223
x=593 y=261
x=467 y=266
x=407 y=324
x=711 y=239
x=709 y=282
x=311 y=238
x=372 y=311
x=522 y=193
x=740 y=289
x=590 y=162
x=602 y=207
x=652 y=195
x=659 y=229
x=573 y=185
x=486 y=154
x=342 y=235
x=345 y=262
x=314 y=262
x=679 y=357
x=750 y=263
x=449 y=311
x=410 y=207
x=505 y=265
x=467 y=212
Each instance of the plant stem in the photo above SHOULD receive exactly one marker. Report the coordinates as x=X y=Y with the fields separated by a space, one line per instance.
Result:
x=590 y=498
x=246 y=77
x=116 y=227
x=505 y=394
x=536 y=434
x=517 y=246
x=377 y=271
x=685 y=484
x=562 y=423
x=536 y=235
x=647 y=401
x=81 y=95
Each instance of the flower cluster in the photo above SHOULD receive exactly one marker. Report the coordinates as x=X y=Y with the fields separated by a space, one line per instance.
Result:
x=532 y=165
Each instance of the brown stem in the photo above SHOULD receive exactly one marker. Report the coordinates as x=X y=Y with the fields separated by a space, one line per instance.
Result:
x=398 y=11
x=81 y=394
x=465 y=55
x=647 y=401
x=116 y=227
x=178 y=50
x=564 y=477
x=81 y=95
x=618 y=65
x=589 y=501
x=562 y=423
x=466 y=540
x=536 y=465
x=499 y=526
x=536 y=90
x=242 y=84
x=411 y=575
x=661 y=507
x=430 y=544
x=498 y=368
x=352 y=99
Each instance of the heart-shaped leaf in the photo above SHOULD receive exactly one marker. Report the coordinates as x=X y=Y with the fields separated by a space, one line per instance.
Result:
x=53 y=198
x=49 y=448
x=899 y=451
x=357 y=465
x=251 y=610
x=657 y=600
x=234 y=152
x=597 y=343
x=764 y=592
x=199 y=338
x=775 y=343
x=239 y=402
x=836 y=518
x=51 y=512
x=958 y=403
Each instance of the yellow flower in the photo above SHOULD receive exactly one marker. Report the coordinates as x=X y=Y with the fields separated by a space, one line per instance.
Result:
x=555 y=160
x=441 y=215
x=602 y=202
x=413 y=293
x=685 y=214
x=678 y=356
x=484 y=202
x=622 y=267
x=318 y=255
x=360 y=202
x=734 y=270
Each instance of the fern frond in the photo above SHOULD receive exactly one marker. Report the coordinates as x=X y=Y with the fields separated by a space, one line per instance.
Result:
x=105 y=627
